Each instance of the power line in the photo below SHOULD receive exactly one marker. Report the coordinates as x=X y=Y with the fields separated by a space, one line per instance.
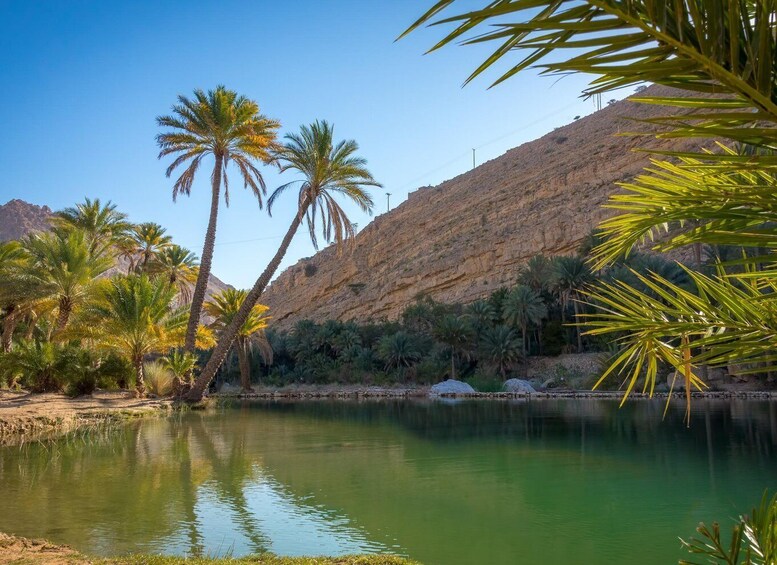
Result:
x=250 y=240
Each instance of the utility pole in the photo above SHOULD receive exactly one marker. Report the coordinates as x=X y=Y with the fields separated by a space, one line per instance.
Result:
x=473 y=158
x=388 y=201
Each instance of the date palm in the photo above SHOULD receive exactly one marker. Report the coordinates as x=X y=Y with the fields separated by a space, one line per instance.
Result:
x=150 y=240
x=457 y=334
x=103 y=225
x=524 y=307
x=229 y=128
x=723 y=55
x=133 y=316
x=222 y=308
x=329 y=170
x=14 y=292
x=500 y=346
x=571 y=275
x=178 y=266
x=62 y=269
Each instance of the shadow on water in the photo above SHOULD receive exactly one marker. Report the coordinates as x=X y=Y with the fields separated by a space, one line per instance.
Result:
x=552 y=481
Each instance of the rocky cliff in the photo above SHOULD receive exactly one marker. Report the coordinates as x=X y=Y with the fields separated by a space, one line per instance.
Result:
x=468 y=236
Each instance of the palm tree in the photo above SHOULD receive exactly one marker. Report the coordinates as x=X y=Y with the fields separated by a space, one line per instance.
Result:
x=179 y=266
x=104 y=226
x=457 y=334
x=537 y=274
x=223 y=307
x=180 y=364
x=524 y=307
x=571 y=275
x=398 y=350
x=150 y=240
x=63 y=269
x=133 y=316
x=229 y=128
x=328 y=170
x=13 y=292
x=500 y=346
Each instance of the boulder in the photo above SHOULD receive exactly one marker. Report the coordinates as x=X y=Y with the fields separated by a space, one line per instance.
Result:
x=451 y=387
x=227 y=388
x=518 y=385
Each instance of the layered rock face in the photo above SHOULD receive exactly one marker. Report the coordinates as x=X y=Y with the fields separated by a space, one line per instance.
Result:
x=463 y=239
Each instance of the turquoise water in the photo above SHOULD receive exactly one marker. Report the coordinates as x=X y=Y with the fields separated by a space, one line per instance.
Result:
x=540 y=481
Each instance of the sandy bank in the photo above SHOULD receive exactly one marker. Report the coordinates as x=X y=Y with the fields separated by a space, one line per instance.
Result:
x=26 y=417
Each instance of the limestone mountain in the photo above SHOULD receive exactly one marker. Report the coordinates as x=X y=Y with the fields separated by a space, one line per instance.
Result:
x=463 y=239
x=19 y=218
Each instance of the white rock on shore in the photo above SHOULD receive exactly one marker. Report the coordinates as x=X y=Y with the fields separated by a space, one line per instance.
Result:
x=519 y=386
x=451 y=387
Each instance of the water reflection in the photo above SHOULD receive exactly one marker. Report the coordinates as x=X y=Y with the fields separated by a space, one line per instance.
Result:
x=552 y=481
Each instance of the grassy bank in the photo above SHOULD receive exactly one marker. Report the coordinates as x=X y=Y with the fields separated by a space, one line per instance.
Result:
x=20 y=550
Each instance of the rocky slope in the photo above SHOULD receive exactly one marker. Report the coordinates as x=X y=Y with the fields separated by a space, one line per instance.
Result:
x=468 y=236
x=19 y=218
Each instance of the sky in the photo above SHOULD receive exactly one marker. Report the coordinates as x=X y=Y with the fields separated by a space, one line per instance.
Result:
x=81 y=83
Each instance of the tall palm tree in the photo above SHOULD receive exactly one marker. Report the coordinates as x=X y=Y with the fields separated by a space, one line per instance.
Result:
x=223 y=307
x=328 y=169
x=103 y=225
x=537 y=274
x=398 y=350
x=457 y=334
x=571 y=274
x=150 y=240
x=133 y=316
x=524 y=307
x=62 y=268
x=179 y=266
x=230 y=129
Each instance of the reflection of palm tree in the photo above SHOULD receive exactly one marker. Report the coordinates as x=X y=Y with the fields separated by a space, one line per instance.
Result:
x=181 y=452
x=229 y=477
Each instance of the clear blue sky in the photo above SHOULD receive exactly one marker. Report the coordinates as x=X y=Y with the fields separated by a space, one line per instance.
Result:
x=82 y=82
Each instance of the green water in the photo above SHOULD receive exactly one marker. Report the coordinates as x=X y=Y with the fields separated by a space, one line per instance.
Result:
x=550 y=481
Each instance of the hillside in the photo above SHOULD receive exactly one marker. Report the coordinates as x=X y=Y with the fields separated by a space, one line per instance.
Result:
x=468 y=236
x=19 y=218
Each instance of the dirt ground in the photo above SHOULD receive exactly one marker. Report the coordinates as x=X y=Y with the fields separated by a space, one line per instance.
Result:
x=25 y=416
x=22 y=550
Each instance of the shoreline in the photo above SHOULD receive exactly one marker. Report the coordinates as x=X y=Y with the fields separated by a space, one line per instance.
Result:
x=351 y=392
x=26 y=417
x=17 y=549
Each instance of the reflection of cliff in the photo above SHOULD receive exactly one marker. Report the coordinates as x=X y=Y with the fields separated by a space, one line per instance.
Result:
x=463 y=239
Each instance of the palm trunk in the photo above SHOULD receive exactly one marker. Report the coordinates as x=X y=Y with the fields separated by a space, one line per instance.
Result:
x=9 y=325
x=140 y=383
x=229 y=333
x=245 y=366
x=453 y=364
x=525 y=359
x=576 y=306
x=207 y=257
x=65 y=307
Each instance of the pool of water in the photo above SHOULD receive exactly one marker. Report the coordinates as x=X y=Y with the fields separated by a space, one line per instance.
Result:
x=540 y=481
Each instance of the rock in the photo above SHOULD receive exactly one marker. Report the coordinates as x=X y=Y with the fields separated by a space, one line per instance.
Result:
x=518 y=385
x=661 y=387
x=550 y=383
x=451 y=387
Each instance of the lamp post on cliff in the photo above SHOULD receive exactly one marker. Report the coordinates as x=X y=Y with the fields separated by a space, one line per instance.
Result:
x=388 y=200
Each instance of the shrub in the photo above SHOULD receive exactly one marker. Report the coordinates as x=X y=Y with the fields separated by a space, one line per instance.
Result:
x=159 y=380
